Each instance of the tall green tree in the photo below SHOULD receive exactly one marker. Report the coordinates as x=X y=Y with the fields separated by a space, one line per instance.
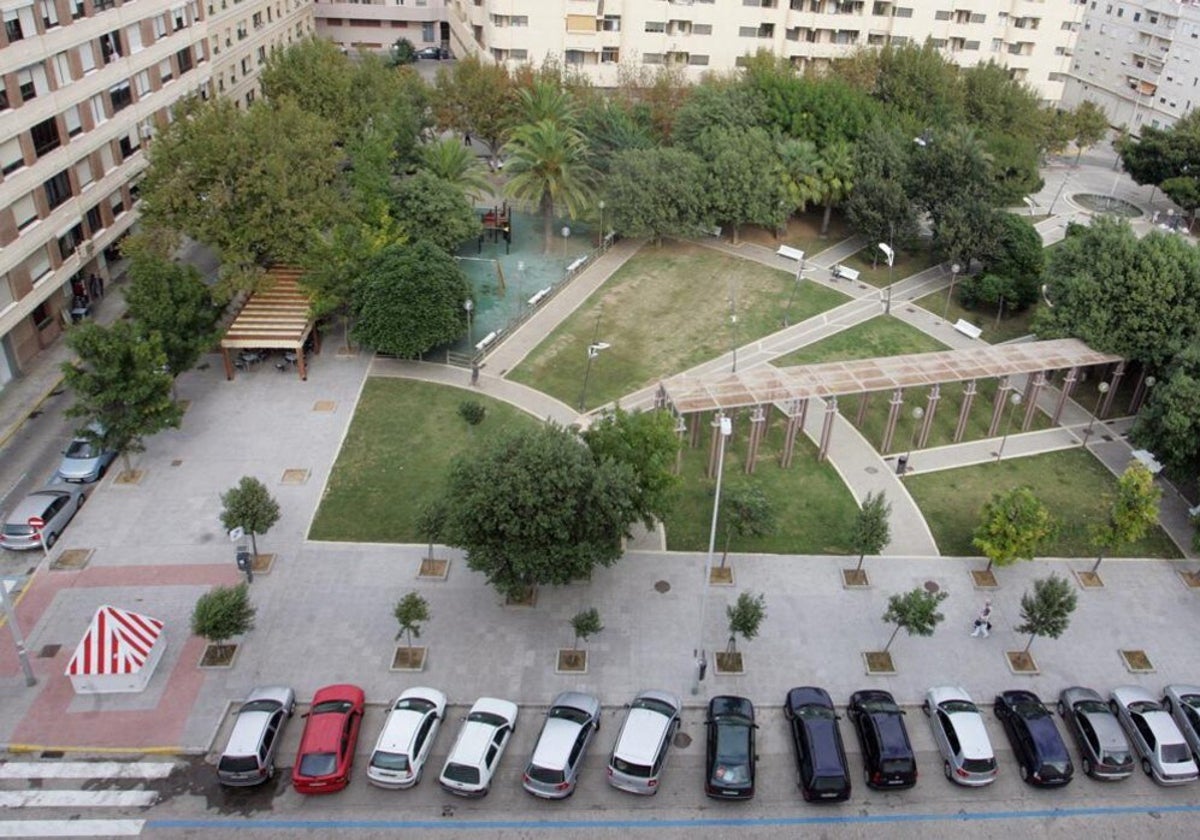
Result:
x=835 y=178
x=745 y=178
x=801 y=164
x=1013 y=523
x=409 y=300
x=1090 y=124
x=250 y=506
x=746 y=512
x=644 y=441
x=1168 y=423
x=1047 y=610
x=431 y=209
x=585 y=624
x=546 y=99
x=745 y=617
x=1132 y=511
x=872 y=528
x=952 y=168
x=915 y=612
x=475 y=98
x=548 y=167
x=222 y=613
x=171 y=300
x=920 y=82
x=120 y=382
x=657 y=193
x=879 y=207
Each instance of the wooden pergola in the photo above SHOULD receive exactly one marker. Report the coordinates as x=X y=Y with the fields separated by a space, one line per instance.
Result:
x=276 y=317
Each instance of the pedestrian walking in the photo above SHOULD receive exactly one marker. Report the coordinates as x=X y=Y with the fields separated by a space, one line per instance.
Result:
x=983 y=624
x=467 y=139
x=93 y=286
x=100 y=285
x=474 y=373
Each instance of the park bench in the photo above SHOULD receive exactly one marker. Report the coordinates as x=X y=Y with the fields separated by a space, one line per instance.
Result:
x=539 y=296
x=967 y=328
x=579 y=263
x=1147 y=459
x=790 y=253
x=841 y=271
x=714 y=231
x=486 y=340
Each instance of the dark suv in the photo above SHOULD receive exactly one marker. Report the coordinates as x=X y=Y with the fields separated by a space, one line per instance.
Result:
x=820 y=754
x=1040 y=751
x=888 y=759
x=730 y=749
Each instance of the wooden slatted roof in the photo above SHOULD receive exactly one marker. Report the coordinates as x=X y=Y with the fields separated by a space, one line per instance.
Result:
x=767 y=384
x=275 y=317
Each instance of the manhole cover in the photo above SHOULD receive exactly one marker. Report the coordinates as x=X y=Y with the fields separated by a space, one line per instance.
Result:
x=872 y=470
x=931 y=586
x=294 y=476
x=662 y=587
x=682 y=740
x=49 y=651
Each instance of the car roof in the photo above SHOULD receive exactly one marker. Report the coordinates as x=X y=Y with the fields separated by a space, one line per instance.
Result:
x=249 y=725
x=641 y=734
x=971 y=734
x=34 y=504
x=824 y=737
x=1163 y=726
x=893 y=735
x=808 y=695
x=941 y=693
x=401 y=725
x=555 y=743
x=472 y=743
x=1126 y=694
x=1045 y=736
x=586 y=703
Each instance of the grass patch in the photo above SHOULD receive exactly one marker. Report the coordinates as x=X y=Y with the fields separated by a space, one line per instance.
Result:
x=396 y=455
x=814 y=511
x=873 y=269
x=1071 y=483
x=665 y=311
x=881 y=336
x=1012 y=324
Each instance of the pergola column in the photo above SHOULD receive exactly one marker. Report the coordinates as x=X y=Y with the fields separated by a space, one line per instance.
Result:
x=863 y=402
x=758 y=425
x=694 y=422
x=889 y=428
x=1033 y=388
x=228 y=363
x=797 y=411
x=1118 y=373
x=1141 y=393
x=931 y=402
x=1067 y=387
x=998 y=405
x=714 y=447
x=681 y=428
x=964 y=411
x=831 y=410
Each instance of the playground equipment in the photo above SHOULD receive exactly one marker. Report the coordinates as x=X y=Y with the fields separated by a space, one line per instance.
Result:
x=497 y=223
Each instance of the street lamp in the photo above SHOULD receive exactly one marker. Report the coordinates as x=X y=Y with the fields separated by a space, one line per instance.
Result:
x=1101 y=390
x=593 y=351
x=699 y=654
x=954 y=269
x=18 y=639
x=469 y=305
x=891 y=258
x=733 y=323
x=792 y=294
x=917 y=414
x=600 y=239
x=1015 y=399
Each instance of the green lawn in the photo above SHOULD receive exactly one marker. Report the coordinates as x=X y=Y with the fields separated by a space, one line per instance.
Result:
x=1071 y=483
x=666 y=310
x=1012 y=324
x=395 y=457
x=881 y=336
x=873 y=269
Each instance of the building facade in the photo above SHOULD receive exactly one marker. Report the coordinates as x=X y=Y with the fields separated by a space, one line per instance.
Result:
x=84 y=84
x=375 y=25
x=1139 y=61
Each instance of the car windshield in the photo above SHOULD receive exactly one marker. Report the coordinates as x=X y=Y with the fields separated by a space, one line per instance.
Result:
x=490 y=718
x=81 y=449
x=653 y=705
x=815 y=712
x=1175 y=753
x=260 y=706
x=318 y=764
x=1031 y=710
x=1192 y=700
x=545 y=775
x=959 y=706
x=341 y=706
x=414 y=704
x=569 y=713
x=390 y=761
x=1143 y=706
x=1091 y=707
x=876 y=706
x=896 y=765
x=238 y=764
x=463 y=773
x=13 y=529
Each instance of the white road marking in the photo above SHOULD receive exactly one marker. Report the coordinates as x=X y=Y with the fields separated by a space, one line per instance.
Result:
x=86 y=770
x=72 y=828
x=77 y=798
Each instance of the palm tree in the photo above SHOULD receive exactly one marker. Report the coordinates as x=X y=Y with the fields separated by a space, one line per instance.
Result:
x=801 y=164
x=548 y=165
x=835 y=174
x=547 y=100
x=454 y=162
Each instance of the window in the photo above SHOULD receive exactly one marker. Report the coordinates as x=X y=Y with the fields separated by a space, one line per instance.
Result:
x=698 y=60
x=24 y=211
x=18 y=23
x=107 y=162
x=610 y=23
x=87 y=57
x=83 y=174
x=39 y=267
x=656 y=26
x=6 y=295
x=110 y=46
x=32 y=81
x=702 y=29
x=129 y=143
x=4 y=103
x=58 y=189
x=71 y=118
x=652 y=58
x=133 y=36
x=45 y=137
x=121 y=96
x=62 y=68
x=69 y=240
x=178 y=19
x=165 y=71
x=49 y=13
x=246 y=66
x=610 y=55
x=95 y=220
x=77 y=9
x=142 y=80
x=99 y=113
x=160 y=28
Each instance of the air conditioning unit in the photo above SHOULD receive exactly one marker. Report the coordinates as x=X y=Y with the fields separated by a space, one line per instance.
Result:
x=147 y=132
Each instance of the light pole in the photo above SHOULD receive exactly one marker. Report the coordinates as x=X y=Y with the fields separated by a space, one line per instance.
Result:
x=891 y=258
x=1101 y=390
x=19 y=640
x=1015 y=399
x=600 y=239
x=469 y=305
x=733 y=323
x=593 y=351
x=699 y=654
x=792 y=294
x=954 y=269
x=917 y=414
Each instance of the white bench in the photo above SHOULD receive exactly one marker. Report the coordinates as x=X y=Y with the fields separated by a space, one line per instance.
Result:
x=579 y=263
x=486 y=340
x=537 y=298
x=840 y=271
x=714 y=231
x=790 y=253
x=967 y=328
x=1147 y=459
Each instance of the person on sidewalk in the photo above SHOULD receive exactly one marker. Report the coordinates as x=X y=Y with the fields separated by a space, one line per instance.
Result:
x=474 y=373
x=983 y=624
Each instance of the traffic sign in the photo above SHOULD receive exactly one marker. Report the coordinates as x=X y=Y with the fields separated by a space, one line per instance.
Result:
x=37 y=522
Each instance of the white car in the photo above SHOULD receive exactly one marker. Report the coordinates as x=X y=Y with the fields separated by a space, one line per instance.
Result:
x=480 y=744
x=967 y=755
x=1183 y=703
x=406 y=738
x=1166 y=757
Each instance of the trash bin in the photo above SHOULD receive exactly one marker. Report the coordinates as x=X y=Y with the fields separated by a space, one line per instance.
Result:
x=902 y=465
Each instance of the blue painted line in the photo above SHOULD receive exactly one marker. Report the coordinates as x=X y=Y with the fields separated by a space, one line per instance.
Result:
x=455 y=824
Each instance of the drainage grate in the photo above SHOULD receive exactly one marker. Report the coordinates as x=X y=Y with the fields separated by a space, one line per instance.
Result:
x=49 y=651
x=52 y=754
x=662 y=587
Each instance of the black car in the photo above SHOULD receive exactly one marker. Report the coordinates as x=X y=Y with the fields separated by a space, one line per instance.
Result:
x=435 y=53
x=888 y=759
x=1040 y=751
x=820 y=755
x=731 y=757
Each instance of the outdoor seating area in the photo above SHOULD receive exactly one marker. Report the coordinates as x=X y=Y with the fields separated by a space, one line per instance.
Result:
x=276 y=317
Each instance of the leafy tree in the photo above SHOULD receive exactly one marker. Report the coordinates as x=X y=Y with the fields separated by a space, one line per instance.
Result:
x=411 y=612
x=745 y=616
x=472 y=412
x=455 y=163
x=1090 y=124
x=745 y=178
x=995 y=102
x=1047 y=611
x=879 y=207
x=646 y=443
x=1058 y=129
x=1014 y=167
x=120 y=381
x=475 y=98
x=171 y=300
x=1012 y=525
x=251 y=507
x=1169 y=424
x=410 y=300
x=968 y=229
x=1184 y=190
x=719 y=106
x=535 y=507
x=801 y=173
x=403 y=52
x=222 y=613
x=915 y=611
x=747 y=512
x=953 y=169
x=872 y=529
x=428 y=208
x=1020 y=257
x=656 y=193
x=1132 y=511
x=548 y=166
x=919 y=81
x=432 y=521
x=546 y=99
x=584 y=624
x=610 y=127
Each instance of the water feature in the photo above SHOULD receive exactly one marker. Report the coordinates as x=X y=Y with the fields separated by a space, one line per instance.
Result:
x=1107 y=204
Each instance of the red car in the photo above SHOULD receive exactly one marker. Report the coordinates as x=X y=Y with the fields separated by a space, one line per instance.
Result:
x=327 y=745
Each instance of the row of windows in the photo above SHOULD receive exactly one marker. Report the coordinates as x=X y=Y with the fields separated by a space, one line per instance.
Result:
x=23 y=22
x=39 y=264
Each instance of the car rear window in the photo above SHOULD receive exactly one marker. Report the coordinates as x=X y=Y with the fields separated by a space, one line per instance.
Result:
x=390 y=761
x=238 y=764
x=463 y=773
x=979 y=765
x=1175 y=753
x=545 y=775
x=896 y=765
x=81 y=449
x=318 y=764
x=630 y=769
x=342 y=706
x=828 y=783
x=1118 y=758
x=13 y=529
x=654 y=705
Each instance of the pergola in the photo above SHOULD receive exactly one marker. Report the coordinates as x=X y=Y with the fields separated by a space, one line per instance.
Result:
x=790 y=389
x=276 y=317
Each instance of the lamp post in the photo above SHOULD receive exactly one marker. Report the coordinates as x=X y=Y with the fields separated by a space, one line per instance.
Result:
x=1015 y=399
x=891 y=258
x=698 y=654
x=792 y=294
x=469 y=305
x=1101 y=390
x=954 y=269
x=593 y=351
x=917 y=414
x=18 y=639
x=733 y=323
x=600 y=238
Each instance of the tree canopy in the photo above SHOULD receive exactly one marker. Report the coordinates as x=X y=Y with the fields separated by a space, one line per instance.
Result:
x=1047 y=610
x=1013 y=523
x=250 y=506
x=432 y=209
x=171 y=300
x=656 y=193
x=644 y=441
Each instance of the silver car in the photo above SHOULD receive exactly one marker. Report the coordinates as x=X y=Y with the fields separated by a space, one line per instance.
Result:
x=249 y=756
x=84 y=461
x=571 y=722
x=1104 y=750
x=968 y=758
x=1166 y=757
x=640 y=752
x=54 y=506
x=1183 y=703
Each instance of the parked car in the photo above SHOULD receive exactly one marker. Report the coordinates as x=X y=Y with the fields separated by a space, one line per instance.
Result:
x=406 y=739
x=1183 y=704
x=967 y=756
x=249 y=755
x=479 y=747
x=1165 y=754
x=640 y=752
x=330 y=735
x=1104 y=751
x=1041 y=754
x=553 y=769
x=84 y=461
x=730 y=751
x=889 y=762
x=434 y=53
x=55 y=506
x=821 y=768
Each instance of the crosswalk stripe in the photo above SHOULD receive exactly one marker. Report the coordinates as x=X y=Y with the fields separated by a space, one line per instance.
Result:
x=77 y=798
x=86 y=770
x=72 y=828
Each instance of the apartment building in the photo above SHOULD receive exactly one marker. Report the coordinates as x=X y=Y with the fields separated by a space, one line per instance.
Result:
x=1139 y=61
x=84 y=84
x=375 y=25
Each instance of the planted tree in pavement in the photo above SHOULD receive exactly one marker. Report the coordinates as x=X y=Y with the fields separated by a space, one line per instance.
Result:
x=1132 y=511
x=916 y=612
x=747 y=513
x=1047 y=610
x=249 y=506
x=745 y=616
x=222 y=613
x=872 y=529
x=411 y=612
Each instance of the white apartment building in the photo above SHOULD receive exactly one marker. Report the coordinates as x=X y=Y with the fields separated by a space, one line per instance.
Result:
x=1139 y=61
x=374 y=25
x=84 y=84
